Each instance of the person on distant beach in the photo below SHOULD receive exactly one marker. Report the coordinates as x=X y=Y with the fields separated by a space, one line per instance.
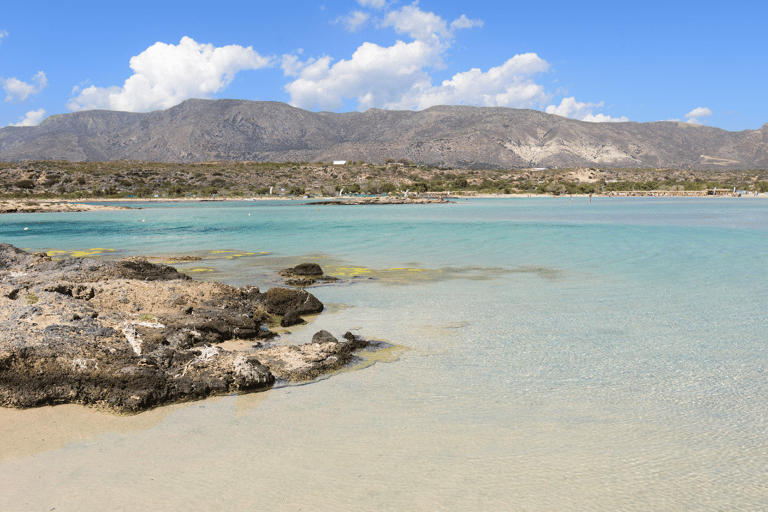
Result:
x=590 y=197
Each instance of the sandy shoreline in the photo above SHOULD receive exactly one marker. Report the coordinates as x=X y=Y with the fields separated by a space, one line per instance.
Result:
x=87 y=205
x=43 y=206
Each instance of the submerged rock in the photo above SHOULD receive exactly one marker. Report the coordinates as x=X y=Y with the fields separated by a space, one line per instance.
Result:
x=325 y=353
x=305 y=269
x=305 y=274
x=130 y=335
x=291 y=318
x=324 y=337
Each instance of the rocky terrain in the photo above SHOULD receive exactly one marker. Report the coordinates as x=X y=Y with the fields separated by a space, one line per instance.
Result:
x=42 y=180
x=128 y=335
x=446 y=136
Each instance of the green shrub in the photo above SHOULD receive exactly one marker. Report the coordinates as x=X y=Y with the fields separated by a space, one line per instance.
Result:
x=25 y=184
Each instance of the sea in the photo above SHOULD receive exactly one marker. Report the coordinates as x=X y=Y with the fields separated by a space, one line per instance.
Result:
x=545 y=355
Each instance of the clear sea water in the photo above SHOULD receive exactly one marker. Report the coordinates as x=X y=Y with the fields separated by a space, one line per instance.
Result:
x=556 y=355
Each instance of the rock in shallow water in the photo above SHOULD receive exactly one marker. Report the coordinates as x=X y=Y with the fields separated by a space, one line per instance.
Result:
x=279 y=301
x=132 y=335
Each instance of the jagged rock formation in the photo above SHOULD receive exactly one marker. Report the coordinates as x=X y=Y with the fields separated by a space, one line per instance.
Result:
x=129 y=335
x=457 y=136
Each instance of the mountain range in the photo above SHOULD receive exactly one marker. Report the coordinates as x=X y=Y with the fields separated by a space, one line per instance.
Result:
x=456 y=136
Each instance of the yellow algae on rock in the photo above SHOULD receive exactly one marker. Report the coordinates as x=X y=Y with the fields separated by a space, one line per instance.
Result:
x=239 y=255
x=94 y=251
x=349 y=271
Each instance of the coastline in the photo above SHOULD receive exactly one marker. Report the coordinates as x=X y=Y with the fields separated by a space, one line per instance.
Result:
x=8 y=206
x=51 y=206
x=130 y=335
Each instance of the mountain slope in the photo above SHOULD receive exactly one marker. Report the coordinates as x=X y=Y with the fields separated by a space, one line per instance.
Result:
x=206 y=130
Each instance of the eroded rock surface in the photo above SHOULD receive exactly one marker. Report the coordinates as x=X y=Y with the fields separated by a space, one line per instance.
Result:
x=305 y=274
x=132 y=334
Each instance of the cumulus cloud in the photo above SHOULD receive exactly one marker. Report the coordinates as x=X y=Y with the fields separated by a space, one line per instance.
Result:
x=694 y=115
x=376 y=76
x=3 y=35
x=417 y=24
x=18 y=90
x=397 y=76
x=353 y=21
x=508 y=85
x=32 y=118
x=569 y=107
x=165 y=75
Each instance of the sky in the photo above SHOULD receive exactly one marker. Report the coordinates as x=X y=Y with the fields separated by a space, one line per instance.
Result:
x=600 y=61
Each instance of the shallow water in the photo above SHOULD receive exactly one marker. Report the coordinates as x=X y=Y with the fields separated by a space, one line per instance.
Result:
x=561 y=356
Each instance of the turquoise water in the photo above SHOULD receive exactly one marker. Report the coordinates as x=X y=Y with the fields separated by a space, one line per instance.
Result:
x=560 y=356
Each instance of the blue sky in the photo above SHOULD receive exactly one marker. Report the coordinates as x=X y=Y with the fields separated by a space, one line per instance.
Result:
x=702 y=62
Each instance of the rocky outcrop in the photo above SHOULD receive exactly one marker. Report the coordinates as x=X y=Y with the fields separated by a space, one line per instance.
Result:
x=305 y=274
x=129 y=335
x=280 y=301
x=327 y=353
x=305 y=269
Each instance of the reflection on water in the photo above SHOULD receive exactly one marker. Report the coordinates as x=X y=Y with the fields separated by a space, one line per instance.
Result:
x=560 y=356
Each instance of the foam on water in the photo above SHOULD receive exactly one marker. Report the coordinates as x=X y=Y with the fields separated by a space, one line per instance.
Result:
x=560 y=356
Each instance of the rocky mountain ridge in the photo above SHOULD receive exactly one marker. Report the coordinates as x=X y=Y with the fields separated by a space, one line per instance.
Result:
x=452 y=136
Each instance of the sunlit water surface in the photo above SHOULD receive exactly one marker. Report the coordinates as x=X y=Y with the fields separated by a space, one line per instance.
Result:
x=560 y=356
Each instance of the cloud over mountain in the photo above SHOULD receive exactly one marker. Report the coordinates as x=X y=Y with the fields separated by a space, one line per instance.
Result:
x=18 y=90
x=165 y=75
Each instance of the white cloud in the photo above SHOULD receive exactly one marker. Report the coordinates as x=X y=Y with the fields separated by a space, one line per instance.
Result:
x=165 y=75
x=693 y=115
x=32 y=118
x=354 y=21
x=3 y=35
x=79 y=86
x=18 y=90
x=418 y=24
x=397 y=77
x=464 y=22
x=508 y=85
x=602 y=118
x=376 y=4
x=569 y=107
x=376 y=76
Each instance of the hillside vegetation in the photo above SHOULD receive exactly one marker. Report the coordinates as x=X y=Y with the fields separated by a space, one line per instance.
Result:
x=131 y=179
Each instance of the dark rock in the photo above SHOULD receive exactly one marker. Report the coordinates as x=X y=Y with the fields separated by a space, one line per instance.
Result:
x=280 y=301
x=299 y=282
x=324 y=337
x=307 y=269
x=291 y=318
